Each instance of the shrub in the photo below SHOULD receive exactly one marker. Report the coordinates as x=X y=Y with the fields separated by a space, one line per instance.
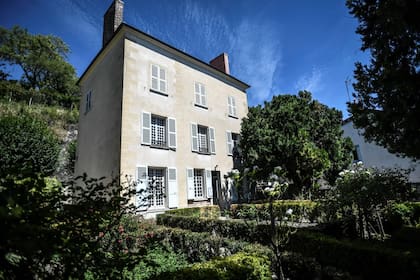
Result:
x=72 y=147
x=302 y=208
x=27 y=147
x=239 y=266
x=204 y=212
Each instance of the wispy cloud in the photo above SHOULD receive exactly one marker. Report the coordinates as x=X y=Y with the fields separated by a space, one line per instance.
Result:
x=311 y=82
x=256 y=56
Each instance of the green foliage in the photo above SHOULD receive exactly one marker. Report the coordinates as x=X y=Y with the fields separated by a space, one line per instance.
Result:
x=239 y=266
x=400 y=214
x=387 y=97
x=72 y=154
x=307 y=143
x=304 y=208
x=362 y=196
x=42 y=58
x=156 y=261
x=363 y=259
x=27 y=147
x=59 y=231
x=204 y=212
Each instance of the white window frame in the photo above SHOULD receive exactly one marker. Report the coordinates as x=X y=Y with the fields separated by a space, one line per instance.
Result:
x=232 y=106
x=147 y=130
x=210 y=139
x=159 y=79
x=205 y=190
x=200 y=96
x=157 y=195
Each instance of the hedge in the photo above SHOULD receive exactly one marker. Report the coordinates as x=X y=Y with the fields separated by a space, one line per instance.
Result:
x=198 y=246
x=203 y=212
x=365 y=259
x=236 y=267
x=307 y=208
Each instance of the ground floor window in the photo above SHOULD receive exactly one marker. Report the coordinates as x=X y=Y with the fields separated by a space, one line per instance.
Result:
x=199 y=183
x=156 y=178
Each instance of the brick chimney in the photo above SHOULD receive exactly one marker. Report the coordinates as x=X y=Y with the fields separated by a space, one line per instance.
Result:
x=112 y=20
x=221 y=62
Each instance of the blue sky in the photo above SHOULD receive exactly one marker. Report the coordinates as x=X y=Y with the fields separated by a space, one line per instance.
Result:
x=278 y=46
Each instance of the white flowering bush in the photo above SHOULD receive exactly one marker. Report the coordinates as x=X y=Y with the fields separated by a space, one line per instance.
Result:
x=362 y=195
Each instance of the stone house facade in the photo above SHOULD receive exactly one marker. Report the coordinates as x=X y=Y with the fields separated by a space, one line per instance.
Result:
x=159 y=115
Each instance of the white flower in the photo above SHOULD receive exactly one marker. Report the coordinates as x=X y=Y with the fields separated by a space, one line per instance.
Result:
x=289 y=211
x=285 y=218
x=267 y=189
x=341 y=174
x=274 y=177
x=255 y=167
x=277 y=168
x=359 y=163
x=363 y=188
x=352 y=172
x=235 y=171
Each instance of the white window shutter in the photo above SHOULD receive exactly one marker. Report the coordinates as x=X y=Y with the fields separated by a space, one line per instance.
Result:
x=197 y=93
x=155 y=77
x=230 y=105
x=142 y=188
x=190 y=183
x=209 y=184
x=233 y=106
x=172 y=133
x=212 y=140
x=146 y=132
x=203 y=96
x=172 y=188
x=194 y=137
x=229 y=142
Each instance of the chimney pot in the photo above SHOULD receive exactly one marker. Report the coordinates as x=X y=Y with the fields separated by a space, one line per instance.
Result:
x=221 y=63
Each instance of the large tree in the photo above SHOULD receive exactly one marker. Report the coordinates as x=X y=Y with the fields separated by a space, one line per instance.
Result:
x=387 y=97
x=299 y=134
x=42 y=59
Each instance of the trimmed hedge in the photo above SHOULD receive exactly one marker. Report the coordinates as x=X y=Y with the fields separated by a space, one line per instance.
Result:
x=371 y=261
x=366 y=259
x=307 y=208
x=236 y=267
x=212 y=211
x=198 y=246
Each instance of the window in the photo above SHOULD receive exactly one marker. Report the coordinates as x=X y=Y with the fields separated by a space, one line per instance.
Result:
x=203 y=139
x=232 y=106
x=199 y=184
x=158 y=131
x=158 y=79
x=156 y=187
x=232 y=141
x=88 y=104
x=200 y=95
x=356 y=153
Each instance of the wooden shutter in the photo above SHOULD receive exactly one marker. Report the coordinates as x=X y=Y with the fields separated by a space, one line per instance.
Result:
x=190 y=183
x=209 y=184
x=142 y=188
x=229 y=142
x=212 y=140
x=162 y=81
x=146 y=125
x=172 y=188
x=203 y=95
x=194 y=137
x=230 y=105
x=233 y=106
x=155 y=77
x=172 y=133
x=197 y=93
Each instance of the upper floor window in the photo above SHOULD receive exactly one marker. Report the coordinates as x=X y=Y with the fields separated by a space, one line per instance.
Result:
x=158 y=131
x=232 y=106
x=203 y=139
x=159 y=79
x=88 y=103
x=200 y=95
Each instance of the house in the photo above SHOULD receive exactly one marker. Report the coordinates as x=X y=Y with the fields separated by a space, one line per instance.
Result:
x=160 y=115
x=373 y=155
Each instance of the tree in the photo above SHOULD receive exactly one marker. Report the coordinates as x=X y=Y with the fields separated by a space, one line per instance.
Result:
x=42 y=59
x=300 y=135
x=27 y=146
x=387 y=97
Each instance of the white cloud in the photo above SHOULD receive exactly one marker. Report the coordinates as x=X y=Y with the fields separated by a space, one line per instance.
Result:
x=311 y=82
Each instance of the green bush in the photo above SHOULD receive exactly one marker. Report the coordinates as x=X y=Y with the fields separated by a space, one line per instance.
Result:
x=240 y=266
x=203 y=212
x=27 y=146
x=368 y=260
x=304 y=208
x=72 y=147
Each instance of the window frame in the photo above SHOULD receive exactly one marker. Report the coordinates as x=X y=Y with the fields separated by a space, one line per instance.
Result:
x=154 y=196
x=196 y=139
x=232 y=110
x=159 y=79
x=148 y=129
x=198 y=95
x=88 y=101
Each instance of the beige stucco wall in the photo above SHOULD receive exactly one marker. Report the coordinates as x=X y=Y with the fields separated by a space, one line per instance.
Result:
x=374 y=155
x=179 y=104
x=98 y=151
